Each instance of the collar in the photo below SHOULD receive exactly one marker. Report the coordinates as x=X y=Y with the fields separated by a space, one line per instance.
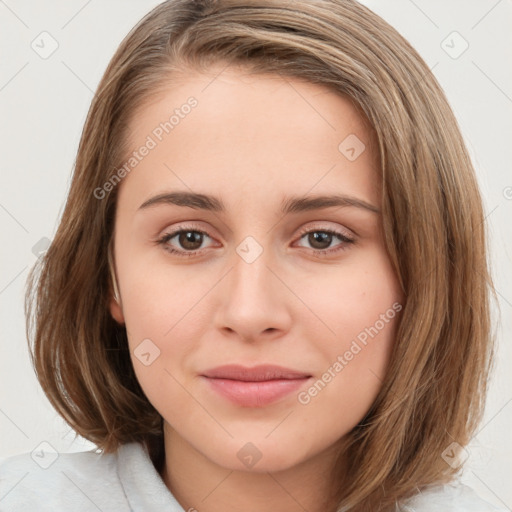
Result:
x=143 y=486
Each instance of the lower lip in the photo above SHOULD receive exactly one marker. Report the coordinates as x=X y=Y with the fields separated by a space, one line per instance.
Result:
x=255 y=394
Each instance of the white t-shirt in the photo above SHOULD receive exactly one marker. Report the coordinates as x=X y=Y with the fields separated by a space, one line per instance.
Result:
x=127 y=481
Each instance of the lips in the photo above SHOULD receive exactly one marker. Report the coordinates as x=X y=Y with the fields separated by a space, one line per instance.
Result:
x=255 y=374
x=254 y=387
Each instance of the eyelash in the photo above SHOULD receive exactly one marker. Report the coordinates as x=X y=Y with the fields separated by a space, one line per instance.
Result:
x=321 y=252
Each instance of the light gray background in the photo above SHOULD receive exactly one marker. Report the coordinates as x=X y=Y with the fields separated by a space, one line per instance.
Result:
x=44 y=102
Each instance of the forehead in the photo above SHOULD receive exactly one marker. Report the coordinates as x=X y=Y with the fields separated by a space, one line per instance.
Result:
x=241 y=135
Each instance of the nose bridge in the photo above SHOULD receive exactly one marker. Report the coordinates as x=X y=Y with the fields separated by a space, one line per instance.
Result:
x=254 y=250
x=251 y=277
x=252 y=297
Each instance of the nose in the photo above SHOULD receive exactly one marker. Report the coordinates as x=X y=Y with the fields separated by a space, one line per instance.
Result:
x=254 y=301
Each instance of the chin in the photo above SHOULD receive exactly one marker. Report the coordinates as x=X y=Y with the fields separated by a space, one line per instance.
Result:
x=259 y=456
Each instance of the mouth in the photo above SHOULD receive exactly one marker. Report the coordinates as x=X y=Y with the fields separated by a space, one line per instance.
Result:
x=254 y=387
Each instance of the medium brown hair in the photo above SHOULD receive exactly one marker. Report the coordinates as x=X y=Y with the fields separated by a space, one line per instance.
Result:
x=434 y=389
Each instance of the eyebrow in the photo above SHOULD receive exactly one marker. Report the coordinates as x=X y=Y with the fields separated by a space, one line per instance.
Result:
x=293 y=204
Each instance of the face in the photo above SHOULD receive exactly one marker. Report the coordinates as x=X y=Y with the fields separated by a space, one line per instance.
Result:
x=252 y=276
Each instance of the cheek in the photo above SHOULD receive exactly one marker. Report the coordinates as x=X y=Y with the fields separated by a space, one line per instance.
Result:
x=359 y=308
x=354 y=370
x=162 y=309
x=356 y=301
x=163 y=302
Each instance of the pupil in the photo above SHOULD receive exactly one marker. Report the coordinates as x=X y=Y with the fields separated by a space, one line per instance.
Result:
x=188 y=239
x=322 y=238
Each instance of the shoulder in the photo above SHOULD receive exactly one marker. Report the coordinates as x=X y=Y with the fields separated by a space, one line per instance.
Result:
x=61 y=481
x=453 y=497
x=84 y=481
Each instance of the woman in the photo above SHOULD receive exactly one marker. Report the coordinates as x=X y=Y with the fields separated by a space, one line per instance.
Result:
x=269 y=286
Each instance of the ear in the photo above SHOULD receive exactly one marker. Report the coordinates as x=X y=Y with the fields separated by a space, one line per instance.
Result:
x=115 y=305
x=116 y=310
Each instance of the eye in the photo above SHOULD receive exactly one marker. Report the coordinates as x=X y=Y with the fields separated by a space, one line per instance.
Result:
x=189 y=238
x=321 y=240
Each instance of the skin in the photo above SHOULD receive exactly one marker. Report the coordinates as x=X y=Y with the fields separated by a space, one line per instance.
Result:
x=251 y=141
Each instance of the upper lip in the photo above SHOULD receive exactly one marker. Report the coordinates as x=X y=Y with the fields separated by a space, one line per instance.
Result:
x=254 y=374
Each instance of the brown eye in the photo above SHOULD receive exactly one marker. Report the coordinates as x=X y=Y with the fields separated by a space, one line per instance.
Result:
x=187 y=241
x=190 y=240
x=320 y=240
